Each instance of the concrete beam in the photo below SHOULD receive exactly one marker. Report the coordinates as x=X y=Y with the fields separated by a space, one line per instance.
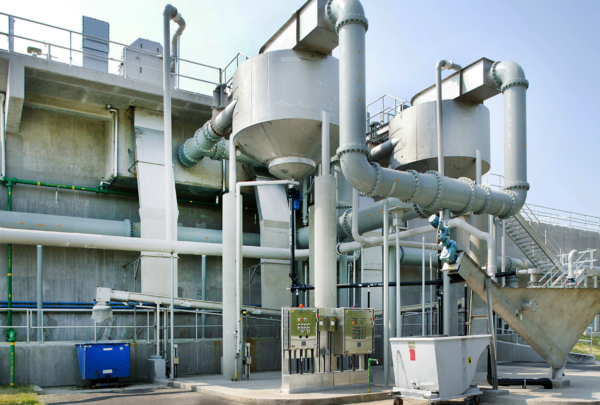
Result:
x=15 y=95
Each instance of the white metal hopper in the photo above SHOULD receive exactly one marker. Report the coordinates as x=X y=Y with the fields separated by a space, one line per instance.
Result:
x=436 y=368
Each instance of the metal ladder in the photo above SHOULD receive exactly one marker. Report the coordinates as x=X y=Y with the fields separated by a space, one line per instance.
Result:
x=543 y=254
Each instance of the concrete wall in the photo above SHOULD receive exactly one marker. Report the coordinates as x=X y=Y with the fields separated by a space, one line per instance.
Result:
x=52 y=365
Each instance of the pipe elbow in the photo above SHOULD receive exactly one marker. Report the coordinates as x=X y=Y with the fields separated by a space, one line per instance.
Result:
x=518 y=194
x=341 y=12
x=362 y=175
x=446 y=64
x=170 y=11
x=507 y=74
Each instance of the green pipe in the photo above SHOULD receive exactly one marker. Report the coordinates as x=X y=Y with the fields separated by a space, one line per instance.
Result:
x=9 y=185
x=12 y=339
x=98 y=190
x=369 y=367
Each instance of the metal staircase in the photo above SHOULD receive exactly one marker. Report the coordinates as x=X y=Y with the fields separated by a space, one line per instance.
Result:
x=542 y=253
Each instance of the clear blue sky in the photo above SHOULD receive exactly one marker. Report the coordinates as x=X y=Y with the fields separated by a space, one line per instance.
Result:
x=556 y=42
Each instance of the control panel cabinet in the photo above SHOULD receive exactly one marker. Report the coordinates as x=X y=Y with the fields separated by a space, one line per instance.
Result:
x=303 y=328
x=354 y=333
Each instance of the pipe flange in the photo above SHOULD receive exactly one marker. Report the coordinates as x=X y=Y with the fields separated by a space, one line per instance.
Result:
x=346 y=225
x=184 y=157
x=207 y=129
x=467 y=209
x=495 y=78
x=212 y=127
x=419 y=210
x=513 y=207
x=508 y=263
x=219 y=151
x=401 y=255
x=373 y=192
x=347 y=21
x=128 y=228
x=516 y=184
x=343 y=206
x=416 y=189
x=515 y=83
x=488 y=199
x=339 y=24
x=440 y=192
x=352 y=147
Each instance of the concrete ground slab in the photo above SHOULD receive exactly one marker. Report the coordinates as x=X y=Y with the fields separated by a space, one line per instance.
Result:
x=265 y=388
x=584 y=385
x=129 y=387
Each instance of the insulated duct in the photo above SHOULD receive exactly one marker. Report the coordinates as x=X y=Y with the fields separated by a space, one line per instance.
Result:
x=429 y=192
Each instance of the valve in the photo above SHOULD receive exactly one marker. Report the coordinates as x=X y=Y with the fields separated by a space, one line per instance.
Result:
x=448 y=254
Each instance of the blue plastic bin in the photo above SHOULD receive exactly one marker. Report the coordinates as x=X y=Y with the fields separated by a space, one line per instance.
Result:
x=102 y=361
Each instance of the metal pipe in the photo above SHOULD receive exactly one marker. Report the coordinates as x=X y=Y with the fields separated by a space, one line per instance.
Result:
x=423 y=288
x=441 y=64
x=492 y=260
x=384 y=150
x=571 y=265
x=157 y=329
x=169 y=13
x=325 y=148
x=355 y=234
x=175 y=41
x=347 y=18
x=478 y=167
x=2 y=137
x=40 y=288
x=397 y=218
x=115 y=172
x=386 y=310
x=172 y=309
x=239 y=257
x=379 y=241
x=88 y=241
x=203 y=295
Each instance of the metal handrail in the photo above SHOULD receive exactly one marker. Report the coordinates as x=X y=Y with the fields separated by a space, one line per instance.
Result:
x=120 y=61
x=29 y=326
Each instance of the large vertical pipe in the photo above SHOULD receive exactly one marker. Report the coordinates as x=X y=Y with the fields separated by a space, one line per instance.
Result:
x=9 y=186
x=203 y=295
x=168 y=14
x=326 y=229
x=397 y=218
x=386 y=304
x=229 y=270
x=40 y=289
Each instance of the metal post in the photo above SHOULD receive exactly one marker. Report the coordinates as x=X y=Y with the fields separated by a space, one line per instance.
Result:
x=40 y=289
x=172 y=320
x=168 y=13
x=386 y=288
x=430 y=294
x=398 y=277
x=203 y=296
x=491 y=328
x=422 y=286
x=157 y=329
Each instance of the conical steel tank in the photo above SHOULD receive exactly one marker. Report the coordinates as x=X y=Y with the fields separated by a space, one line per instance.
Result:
x=277 y=119
x=466 y=128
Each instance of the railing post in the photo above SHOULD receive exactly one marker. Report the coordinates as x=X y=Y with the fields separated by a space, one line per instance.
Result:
x=70 y=48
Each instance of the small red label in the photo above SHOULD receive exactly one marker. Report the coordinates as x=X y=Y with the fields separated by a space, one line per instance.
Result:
x=412 y=354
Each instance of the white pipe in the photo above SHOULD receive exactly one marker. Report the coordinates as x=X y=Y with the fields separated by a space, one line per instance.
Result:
x=169 y=13
x=478 y=167
x=40 y=289
x=115 y=172
x=175 y=41
x=126 y=296
x=348 y=247
x=386 y=304
x=397 y=218
x=384 y=150
x=441 y=64
x=80 y=240
x=239 y=256
x=325 y=148
x=423 y=288
x=2 y=136
x=489 y=239
x=355 y=234
x=172 y=320
x=571 y=276
x=157 y=329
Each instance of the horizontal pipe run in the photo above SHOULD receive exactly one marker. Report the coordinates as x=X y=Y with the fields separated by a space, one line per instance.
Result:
x=378 y=241
x=372 y=285
x=78 y=240
x=126 y=296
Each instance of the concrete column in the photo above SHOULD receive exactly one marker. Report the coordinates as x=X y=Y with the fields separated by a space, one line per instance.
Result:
x=325 y=242
x=229 y=293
